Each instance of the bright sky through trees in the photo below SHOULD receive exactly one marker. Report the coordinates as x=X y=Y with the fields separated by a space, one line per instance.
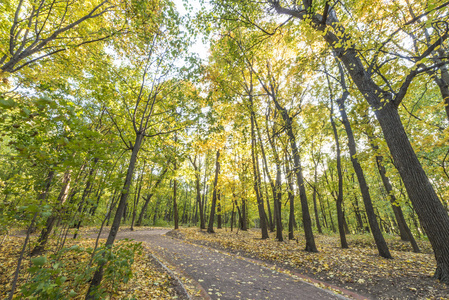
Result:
x=304 y=118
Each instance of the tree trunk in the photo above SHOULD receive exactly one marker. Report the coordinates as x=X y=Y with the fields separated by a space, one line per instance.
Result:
x=340 y=216
x=307 y=222
x=330 y=215
x=315 y=206
x=291 y=199
x=136 y=199
x=148 y=198
x=271 y=223
x=404 y=230
x=156 y=210
x=232 y=215
x=277 y=204
x=98 y=276
x=275 y=186
x=382 y=246
x=256 y=174
x=219 y=217
x=45 y=233
x=244 y=216
x=429 y=208
x=198 y=195
x=210 y=227
x=82 y=206
x=175 y=203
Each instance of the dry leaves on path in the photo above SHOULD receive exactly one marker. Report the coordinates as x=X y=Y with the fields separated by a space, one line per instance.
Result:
x=358 y=268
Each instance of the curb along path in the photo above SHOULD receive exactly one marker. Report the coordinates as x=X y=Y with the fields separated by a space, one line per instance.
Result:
x=224 y=276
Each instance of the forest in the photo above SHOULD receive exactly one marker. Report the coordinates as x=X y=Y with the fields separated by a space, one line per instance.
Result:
x=291 y=118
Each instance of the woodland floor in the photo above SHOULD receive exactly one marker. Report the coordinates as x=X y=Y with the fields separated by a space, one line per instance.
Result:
x=358 y=269
x=211 y=274
x=189 y=255
x=149 y=281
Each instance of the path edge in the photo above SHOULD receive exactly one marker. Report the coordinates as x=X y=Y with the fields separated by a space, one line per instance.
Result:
x=330 y=288
x=203 y=293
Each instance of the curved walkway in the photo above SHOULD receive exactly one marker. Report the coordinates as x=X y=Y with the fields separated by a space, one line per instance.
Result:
x=223 y=275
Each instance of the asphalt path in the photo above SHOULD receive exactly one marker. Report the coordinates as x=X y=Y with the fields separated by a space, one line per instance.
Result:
x=223 y=275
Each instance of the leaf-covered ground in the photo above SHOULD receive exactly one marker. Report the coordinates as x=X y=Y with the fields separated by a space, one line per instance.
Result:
x=359 y=268
x=148 y=280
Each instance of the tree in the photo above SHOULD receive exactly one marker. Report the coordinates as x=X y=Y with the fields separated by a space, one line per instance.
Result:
x=210 y=226
x=385 y=105
x=39 y=29
x=150 y=100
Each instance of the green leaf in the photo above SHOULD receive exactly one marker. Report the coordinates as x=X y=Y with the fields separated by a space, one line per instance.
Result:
x=9 y=103
x=39 y=261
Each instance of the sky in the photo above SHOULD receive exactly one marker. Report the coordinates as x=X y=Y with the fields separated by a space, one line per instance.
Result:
x=198 y=47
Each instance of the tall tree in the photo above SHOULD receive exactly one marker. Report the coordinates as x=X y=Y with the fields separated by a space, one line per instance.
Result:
x=339 y=202
x=210 y=227
x=382 y=246
x=40 y=29
x=152 y=99
x=384 y=103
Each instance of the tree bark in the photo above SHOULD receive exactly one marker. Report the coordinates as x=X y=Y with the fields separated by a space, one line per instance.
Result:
x=98 y=276
x=210 y=227
x=404 y=230
x=256 y=174
x=291 y=199
x=339 y=202
x=45 y=233
x=86 y=192
x=148 y=198
x=307 y=222
x=315 y=206
x=175 y=203
x=244 y=222
x=219 y=217
x=198 y=193
x=382 y=246
x=275 y=186
x=429 y=208
x=136 y=199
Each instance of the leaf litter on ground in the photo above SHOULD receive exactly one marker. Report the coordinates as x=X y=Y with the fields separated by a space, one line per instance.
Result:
x=148 y=280
x=359 y=269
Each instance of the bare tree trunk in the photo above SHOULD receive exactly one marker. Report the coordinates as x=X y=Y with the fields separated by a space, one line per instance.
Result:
x=314 y=192
x=307 y=222
x=382 y=246
x=275 y=186
x=210 y=227
x=98 y=276
x=42 y=196
x=219 y=217
x=198 y=193
x=45 y=233
x=291 y=198
x=86 y=192
x=175 y=203
x=136 y=198
x=256 y=174
x=148 y=198
x=340 y=216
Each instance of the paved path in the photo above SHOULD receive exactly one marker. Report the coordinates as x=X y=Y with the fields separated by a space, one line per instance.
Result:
x=226 y=276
